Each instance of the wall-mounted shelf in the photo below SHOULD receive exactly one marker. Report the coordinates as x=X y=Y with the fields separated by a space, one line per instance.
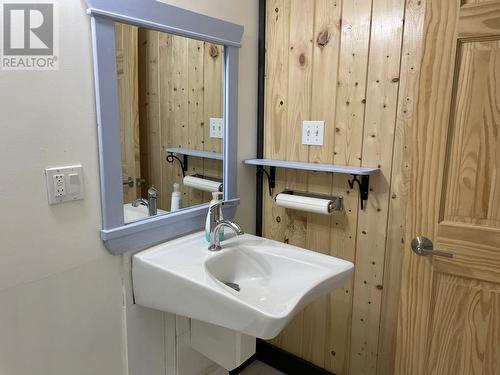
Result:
x=186 y=152
x=195 y=153
x=363 y=173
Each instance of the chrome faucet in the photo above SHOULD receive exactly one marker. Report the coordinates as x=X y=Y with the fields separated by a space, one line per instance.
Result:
x=216 y=224
x=150 y=203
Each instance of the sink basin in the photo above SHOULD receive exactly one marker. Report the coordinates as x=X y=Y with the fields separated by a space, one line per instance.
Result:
x=253 y=285
x=131 y=213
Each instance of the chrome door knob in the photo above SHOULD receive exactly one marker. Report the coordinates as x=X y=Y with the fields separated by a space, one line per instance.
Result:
x=423 y=246
x=129 y=182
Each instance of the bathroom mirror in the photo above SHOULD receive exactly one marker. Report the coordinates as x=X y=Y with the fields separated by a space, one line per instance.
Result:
x=170 y=91
x=166 y=82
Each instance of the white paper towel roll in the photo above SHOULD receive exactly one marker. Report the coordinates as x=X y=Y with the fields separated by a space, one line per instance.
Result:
x=309 y=204
x=202 y=184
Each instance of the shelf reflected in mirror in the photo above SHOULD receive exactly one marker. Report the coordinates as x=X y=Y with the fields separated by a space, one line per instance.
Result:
x=170 y=91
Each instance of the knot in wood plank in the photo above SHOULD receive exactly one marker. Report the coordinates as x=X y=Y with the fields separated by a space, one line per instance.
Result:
x=323 y=38
x=213 y=51
x=302 y=59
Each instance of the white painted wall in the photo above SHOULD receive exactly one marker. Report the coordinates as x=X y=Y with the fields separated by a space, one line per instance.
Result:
x=62 y=307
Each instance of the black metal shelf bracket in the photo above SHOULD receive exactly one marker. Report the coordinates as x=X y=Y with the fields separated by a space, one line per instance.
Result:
x=364 y=187
x=171 y=158
x=271 y=177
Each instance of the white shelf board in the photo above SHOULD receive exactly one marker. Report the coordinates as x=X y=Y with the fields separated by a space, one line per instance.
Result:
x=195 y=153
x=331 y=168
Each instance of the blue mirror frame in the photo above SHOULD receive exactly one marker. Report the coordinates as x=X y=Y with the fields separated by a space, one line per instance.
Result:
x=152 y=14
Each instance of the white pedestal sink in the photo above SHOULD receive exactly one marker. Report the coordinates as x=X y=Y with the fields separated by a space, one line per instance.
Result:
x=253 y=285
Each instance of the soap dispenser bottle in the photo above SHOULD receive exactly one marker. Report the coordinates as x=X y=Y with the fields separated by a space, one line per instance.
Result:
x=216 y=199
x=175 y=202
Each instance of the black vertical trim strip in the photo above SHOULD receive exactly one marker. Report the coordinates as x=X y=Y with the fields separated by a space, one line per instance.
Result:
x=260 y=113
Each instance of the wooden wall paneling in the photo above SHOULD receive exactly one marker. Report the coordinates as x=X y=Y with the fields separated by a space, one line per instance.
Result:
x=351 y=97
x=178 y=96
x=378 y=141
x=339 y=308
x=144 y=137
x=350 y=109
x=195 y=112
x=213 y=91
x=326 y=48
x=152 y=158
x=400 y=178
x=166 y=111
x=275 y=219
x=127 y=76
x=362 y=58
x=178 y=125
x=299 y=98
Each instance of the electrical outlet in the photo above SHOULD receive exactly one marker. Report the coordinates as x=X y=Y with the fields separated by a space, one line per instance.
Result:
x=216 y=127
x=64 y=183
x=59 y=185
x=313 y=132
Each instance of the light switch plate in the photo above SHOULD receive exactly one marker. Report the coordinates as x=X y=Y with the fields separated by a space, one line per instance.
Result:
x=312 y=133
x=216 y=127
x=64 y=183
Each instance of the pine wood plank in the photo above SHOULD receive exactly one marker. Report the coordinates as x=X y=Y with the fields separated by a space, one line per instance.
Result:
x=195 y=112
x=166 y=97
x=400 y=177
x=350 y=110
x=152 y=161
x=378 y=141
x=127 y=76
x=213 y=61
x=178 y=125
x=299 y=94
x=275 y=219
x=326 y=49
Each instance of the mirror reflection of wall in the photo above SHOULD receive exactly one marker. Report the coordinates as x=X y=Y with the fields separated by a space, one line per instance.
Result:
x=170 y=93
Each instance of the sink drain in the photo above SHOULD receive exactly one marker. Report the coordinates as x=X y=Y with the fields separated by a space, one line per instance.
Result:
x=233 y=286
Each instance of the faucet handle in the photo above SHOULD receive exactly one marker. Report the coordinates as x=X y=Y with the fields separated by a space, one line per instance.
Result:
x=216 y=206
x=152 y=192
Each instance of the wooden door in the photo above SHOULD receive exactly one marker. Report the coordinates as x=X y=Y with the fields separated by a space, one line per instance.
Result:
x=449 y=316
x=128 y=93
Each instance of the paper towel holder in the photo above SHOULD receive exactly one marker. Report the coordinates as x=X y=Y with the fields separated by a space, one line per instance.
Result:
x=210 y=178
x=336 y=205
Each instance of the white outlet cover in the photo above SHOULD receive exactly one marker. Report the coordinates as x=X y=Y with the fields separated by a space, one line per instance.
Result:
x=313 y=133
x=216 y=127
x=64 y=183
